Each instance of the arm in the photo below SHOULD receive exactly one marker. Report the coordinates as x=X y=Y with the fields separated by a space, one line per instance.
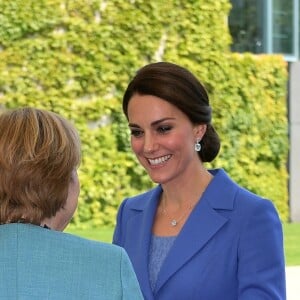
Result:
x=117 y=236
x=261 y=266
x=130 y=285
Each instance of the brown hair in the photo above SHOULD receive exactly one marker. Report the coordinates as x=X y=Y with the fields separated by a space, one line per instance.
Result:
x=38 y=152
x=181 y=88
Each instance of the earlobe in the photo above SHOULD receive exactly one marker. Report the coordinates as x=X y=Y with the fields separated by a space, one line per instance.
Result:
x=200 y=131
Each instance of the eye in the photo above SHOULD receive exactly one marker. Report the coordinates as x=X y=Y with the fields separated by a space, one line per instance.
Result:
x=136 y=132
x=164 y=129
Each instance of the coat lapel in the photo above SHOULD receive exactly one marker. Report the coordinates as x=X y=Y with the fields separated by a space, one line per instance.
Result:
x=142 y=224
x=203 y=223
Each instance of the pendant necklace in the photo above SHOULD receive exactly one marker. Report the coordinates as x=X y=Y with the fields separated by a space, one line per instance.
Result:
x=174 y=222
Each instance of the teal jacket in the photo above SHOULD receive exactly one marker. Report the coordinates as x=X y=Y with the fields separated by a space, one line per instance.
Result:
x=38 y=263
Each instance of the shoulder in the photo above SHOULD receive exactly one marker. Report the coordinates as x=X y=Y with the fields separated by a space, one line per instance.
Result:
x=86 y=252
x=251 y=202
x=59 y=244
x=64 y=242
x=89 y=246
x=246 y=211
x=226 y=191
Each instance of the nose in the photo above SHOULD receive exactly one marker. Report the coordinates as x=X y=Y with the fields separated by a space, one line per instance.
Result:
x=150 y=144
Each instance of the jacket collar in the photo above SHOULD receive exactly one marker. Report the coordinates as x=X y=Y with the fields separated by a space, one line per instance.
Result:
x=219 y=189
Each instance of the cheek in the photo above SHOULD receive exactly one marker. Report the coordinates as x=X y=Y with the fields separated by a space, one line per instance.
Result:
x=178 y=141
x=183 y=145
x=77 y=189
x=74 y=191
x=136 y=145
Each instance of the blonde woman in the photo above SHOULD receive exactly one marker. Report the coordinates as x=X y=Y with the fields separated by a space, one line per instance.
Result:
x=39 y=188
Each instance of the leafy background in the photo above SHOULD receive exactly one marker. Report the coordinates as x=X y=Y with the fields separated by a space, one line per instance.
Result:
x=76 y=58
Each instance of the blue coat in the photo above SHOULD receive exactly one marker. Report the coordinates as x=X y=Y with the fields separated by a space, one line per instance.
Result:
x=231 y=247
x=38 y=263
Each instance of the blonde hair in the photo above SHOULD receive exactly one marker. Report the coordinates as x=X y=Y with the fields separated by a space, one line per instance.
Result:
x=38 y=152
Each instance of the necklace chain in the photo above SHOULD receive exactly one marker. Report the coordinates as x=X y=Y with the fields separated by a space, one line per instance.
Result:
x=174 y=222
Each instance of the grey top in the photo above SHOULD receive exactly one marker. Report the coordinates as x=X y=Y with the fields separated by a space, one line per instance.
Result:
x=159 y=248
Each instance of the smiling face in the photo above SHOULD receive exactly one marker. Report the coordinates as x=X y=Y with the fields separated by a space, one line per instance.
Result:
x=163 y=138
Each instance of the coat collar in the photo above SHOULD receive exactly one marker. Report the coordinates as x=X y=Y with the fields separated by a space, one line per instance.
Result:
x=219 y=193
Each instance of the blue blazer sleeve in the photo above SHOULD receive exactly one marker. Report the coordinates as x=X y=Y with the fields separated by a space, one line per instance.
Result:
x=260 y=254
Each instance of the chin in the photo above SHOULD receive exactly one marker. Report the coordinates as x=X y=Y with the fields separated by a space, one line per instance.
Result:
x=159 y=180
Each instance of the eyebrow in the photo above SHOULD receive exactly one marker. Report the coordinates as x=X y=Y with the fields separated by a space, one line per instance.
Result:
x=153 y=123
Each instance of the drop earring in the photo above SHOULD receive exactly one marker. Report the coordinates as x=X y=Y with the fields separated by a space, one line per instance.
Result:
x=198 y=145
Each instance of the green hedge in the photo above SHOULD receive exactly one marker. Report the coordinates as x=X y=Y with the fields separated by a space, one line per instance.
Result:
x=76 y=57
x=250 y=113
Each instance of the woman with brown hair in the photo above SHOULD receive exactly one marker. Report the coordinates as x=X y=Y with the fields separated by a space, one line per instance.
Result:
x=197 y=234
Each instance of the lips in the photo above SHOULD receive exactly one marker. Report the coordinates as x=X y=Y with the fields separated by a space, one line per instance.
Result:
x=159 y=160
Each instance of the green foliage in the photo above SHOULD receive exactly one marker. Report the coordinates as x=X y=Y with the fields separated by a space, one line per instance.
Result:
x=251 y=117
x=75 y=57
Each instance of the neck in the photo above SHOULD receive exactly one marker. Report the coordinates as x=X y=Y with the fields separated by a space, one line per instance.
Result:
x=175 y=195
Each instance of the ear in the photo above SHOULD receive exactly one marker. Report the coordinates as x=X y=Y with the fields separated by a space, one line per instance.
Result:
x=199 y=131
